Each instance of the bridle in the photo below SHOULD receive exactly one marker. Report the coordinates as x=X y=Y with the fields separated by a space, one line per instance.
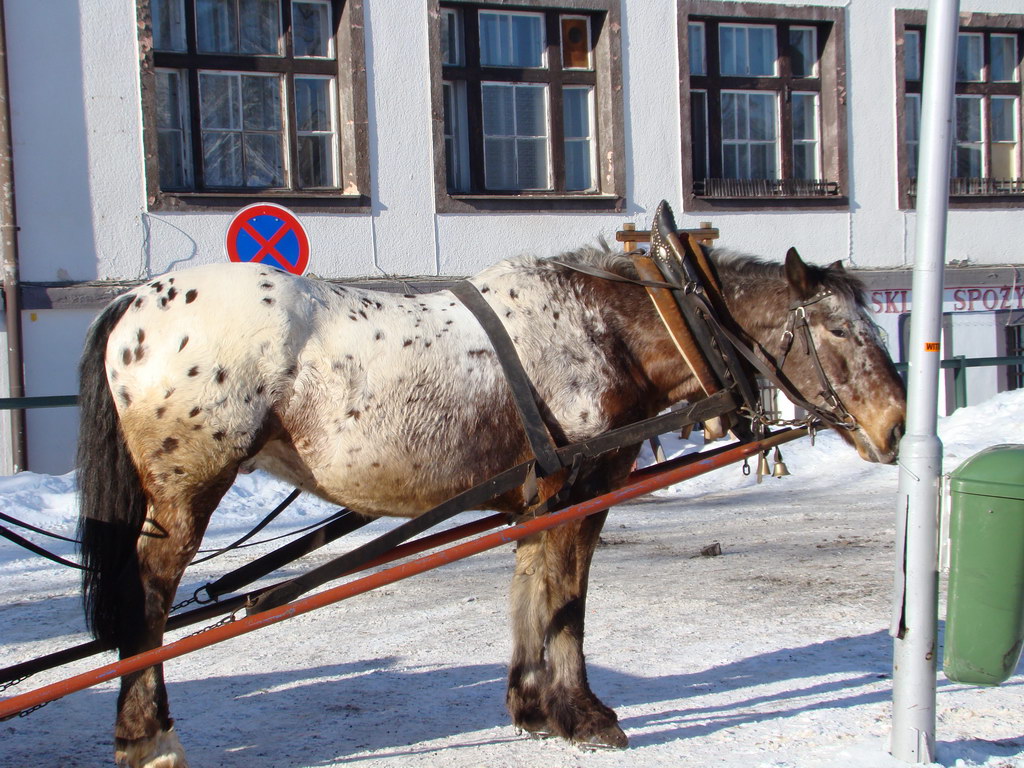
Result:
x=797 y=323
x=837 y=416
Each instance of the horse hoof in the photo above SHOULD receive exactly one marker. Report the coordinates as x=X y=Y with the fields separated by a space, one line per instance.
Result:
x=162 y=751
x=539 y=734
x=611 y=737
x=536 y=727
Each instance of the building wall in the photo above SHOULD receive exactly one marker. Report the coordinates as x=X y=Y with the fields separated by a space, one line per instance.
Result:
x=83 y=214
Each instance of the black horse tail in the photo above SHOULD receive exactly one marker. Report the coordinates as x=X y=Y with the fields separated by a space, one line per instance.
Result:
x=112 y=504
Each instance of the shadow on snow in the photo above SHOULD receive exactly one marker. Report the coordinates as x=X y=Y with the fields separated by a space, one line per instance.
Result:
x=384 y=708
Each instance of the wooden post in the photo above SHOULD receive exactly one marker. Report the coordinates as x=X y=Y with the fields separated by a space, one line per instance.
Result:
x=631 y=237
x=629 y=245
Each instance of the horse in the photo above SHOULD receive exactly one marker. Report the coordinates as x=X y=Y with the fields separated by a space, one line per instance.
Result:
x=389 y=404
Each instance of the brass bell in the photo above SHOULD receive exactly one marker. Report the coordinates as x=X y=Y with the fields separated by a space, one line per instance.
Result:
x=780 y=466
x=762 y=466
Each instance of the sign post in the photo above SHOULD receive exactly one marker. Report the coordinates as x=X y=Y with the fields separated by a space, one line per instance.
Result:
x=915 y=606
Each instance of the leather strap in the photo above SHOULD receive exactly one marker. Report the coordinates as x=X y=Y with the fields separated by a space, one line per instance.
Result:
x=256 y=529
x=339 y=566
x=10 y=535
x=700 y=300
x=524 y=394
x=773 y=373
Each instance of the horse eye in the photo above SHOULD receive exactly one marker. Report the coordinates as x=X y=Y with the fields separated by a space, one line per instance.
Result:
x=839 y=333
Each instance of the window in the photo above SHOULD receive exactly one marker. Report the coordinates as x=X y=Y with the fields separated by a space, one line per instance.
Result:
x=253 y=98
x=985 y=161
x=763 y=105
x=527 y=105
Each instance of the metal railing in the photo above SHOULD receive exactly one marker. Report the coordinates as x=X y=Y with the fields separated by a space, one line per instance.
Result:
x=961 y=363
x=743 y=188
x=46 y=401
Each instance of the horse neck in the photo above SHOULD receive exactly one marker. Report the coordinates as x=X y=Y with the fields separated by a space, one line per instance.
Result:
x=655 y=369
x=758 y=304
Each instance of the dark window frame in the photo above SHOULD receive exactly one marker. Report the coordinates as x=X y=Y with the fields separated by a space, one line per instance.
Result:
x=606 y=79
x=349 y=70
x=830 y=85
x=999 y=23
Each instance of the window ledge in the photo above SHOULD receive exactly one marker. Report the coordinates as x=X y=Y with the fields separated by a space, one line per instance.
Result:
x=528 y=201
x=769 y=198
x=308 y=202
x=978 y=202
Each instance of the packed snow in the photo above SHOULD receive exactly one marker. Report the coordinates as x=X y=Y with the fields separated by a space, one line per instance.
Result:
x=775 y=654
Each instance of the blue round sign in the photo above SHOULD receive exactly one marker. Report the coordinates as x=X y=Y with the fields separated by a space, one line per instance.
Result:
x=269 y=234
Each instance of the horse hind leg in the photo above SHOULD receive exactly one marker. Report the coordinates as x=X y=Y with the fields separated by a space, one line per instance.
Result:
x=548 y=688
x=162 y=751
x=176 y=519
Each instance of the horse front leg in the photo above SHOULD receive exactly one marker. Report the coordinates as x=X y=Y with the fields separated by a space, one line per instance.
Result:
x=548 y=688
x=528 y=674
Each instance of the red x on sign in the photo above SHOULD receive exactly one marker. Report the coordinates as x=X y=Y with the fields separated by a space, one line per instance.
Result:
x=269 y=234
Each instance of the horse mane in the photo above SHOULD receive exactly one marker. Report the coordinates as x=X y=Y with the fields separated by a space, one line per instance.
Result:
x=742 y=266
x=731 y=266
x=600 y=256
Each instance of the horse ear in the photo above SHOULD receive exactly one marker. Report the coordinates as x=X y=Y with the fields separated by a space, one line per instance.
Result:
x=798 y=275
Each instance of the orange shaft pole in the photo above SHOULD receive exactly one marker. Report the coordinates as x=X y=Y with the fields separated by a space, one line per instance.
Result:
x=15 y=704
x=416 y=546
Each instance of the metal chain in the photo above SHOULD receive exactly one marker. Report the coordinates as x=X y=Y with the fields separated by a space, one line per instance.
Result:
x=761 y=418
x=29 y=711
x=220 y=623
x=183 y=603
x=16 y=681
x=24 y=712
x=194 y=599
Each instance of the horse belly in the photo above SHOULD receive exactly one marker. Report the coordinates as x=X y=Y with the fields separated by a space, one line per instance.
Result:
x=377 y=470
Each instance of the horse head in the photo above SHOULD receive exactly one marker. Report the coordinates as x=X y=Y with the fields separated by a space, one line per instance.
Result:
x=834 y=356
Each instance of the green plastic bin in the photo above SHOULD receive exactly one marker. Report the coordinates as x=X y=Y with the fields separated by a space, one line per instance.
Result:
x=985 y=605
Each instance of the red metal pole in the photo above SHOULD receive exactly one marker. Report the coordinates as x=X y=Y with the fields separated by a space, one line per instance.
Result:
x=15 y=704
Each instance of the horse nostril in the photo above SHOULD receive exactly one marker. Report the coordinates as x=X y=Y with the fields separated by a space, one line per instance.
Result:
x=895 y=435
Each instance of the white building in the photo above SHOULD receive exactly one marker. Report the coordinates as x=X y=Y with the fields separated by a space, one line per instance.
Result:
x=433 y=137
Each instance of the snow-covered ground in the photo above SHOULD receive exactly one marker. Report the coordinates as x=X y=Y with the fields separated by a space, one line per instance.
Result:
x=774 y=655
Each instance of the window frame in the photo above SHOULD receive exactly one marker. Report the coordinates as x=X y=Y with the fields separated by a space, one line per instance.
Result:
x=830 y=73
x=605 y=78
x=989 y=24
x=347 y=68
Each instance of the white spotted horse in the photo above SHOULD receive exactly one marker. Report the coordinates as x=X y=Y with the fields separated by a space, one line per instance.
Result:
x=389 y=404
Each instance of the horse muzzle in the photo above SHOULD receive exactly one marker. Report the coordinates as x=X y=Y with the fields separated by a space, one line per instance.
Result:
x=881 y=451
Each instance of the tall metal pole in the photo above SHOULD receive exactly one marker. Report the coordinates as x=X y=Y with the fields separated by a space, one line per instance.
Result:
x=9 y=261
x=915 y=619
